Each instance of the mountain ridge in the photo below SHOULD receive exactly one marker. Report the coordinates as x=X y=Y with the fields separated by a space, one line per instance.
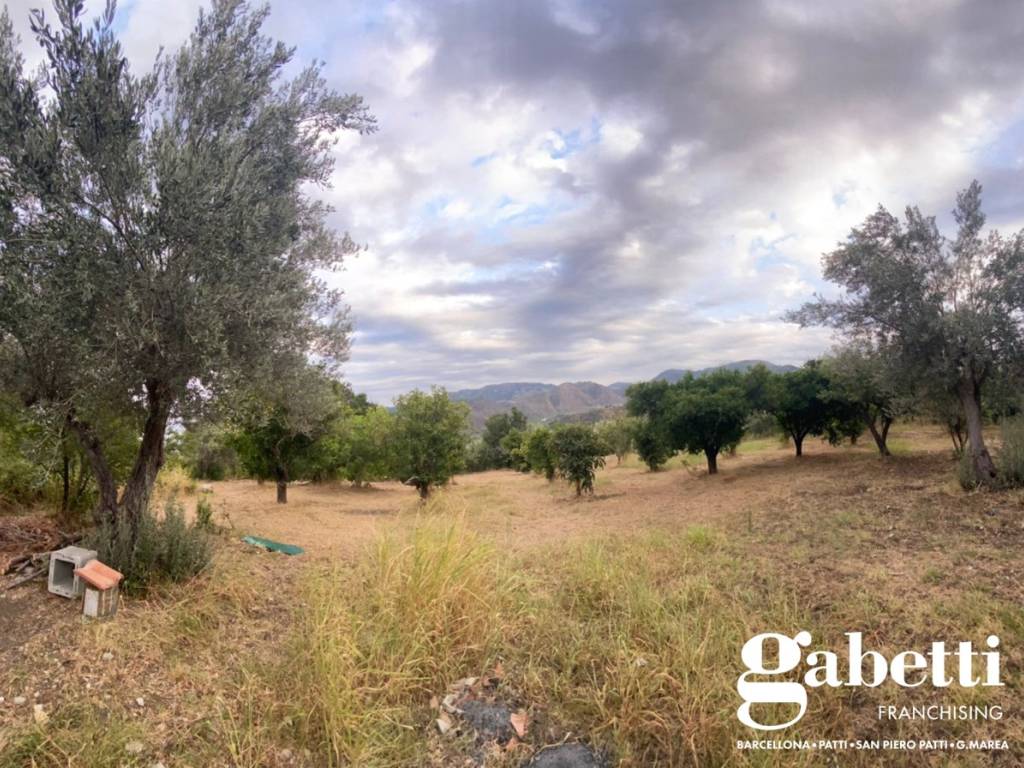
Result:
x=542 y=402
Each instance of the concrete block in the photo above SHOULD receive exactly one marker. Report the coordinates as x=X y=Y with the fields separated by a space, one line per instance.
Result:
x=63 y=579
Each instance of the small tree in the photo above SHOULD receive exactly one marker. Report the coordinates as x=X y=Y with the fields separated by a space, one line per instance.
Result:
x=862 y=376
x=653 y=444
x=496 y=428
x=798 y=399
x=619 y=435
x=647 y=401
x=279 y=429
x=514 y=446
x=707 y=414
x=540 y=452
x=364 y=445
x=430 y=434
x=948 y=310
x=579 y=453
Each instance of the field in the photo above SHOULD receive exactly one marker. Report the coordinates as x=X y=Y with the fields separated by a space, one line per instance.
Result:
x=614 y=620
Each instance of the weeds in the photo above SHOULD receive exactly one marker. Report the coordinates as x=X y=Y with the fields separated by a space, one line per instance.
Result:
x=1011 y=453
x=164 y=549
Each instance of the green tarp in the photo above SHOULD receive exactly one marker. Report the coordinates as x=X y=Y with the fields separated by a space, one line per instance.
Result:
x=273 y=546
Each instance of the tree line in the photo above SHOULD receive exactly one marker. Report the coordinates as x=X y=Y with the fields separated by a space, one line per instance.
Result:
x=162 y=260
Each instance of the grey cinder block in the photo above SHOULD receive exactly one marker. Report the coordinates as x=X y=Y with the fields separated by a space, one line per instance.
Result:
x=63 y=580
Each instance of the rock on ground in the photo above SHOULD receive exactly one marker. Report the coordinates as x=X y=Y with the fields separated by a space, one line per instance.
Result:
x=567 y=756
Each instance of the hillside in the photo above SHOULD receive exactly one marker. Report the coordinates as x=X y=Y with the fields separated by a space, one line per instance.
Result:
x=547 y=402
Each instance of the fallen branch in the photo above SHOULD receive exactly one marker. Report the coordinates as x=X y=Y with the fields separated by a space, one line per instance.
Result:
x=22 y=580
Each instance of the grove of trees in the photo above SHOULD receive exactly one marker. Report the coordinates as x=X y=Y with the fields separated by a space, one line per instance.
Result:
x=159 y=241
x=947 y=313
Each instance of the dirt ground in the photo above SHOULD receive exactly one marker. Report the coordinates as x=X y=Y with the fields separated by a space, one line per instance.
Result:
x=847 y=527
x=758 y=489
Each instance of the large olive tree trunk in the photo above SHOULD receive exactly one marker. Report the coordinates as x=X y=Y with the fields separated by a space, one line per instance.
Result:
x=970 y=401
x=150 y=458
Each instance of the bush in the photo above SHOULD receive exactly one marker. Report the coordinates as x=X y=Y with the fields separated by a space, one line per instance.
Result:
x=1011 y=453
x=762 y=424
x=204 y=513
x=165 y=549
x=965 y=472
x=174 y=480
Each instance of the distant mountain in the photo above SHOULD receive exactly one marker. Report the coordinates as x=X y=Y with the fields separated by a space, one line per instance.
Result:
x=571 y=401
x=540 y=402
x=675 y=374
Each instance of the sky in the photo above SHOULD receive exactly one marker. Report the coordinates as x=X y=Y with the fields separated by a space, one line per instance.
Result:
x=568 y=190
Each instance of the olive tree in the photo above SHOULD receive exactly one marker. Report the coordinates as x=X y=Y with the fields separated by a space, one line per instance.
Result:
x=950 y=310
x=280 y=427
x=863 y=377
x=158 y=234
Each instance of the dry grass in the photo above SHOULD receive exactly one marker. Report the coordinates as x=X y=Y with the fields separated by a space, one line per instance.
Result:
x=616 y=619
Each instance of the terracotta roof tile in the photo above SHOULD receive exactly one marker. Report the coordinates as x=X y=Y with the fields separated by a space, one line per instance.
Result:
x=99 y=575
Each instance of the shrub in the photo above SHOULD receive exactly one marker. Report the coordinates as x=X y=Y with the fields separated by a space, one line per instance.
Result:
x=164 y=549
x=1011 y=453
x=174 y=480
x=204 y=513
x=762 y=424
x=965 y=472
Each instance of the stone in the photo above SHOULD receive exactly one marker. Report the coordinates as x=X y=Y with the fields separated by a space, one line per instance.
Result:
x=568 y=756
x=19 y=700
x=140 y=701
x=108 y=656
x=490 y=721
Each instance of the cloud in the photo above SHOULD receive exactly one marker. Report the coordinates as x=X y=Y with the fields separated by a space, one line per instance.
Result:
x=569 y=190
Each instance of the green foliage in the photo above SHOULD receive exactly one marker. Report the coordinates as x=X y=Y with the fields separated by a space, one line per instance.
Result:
x=280 y=428
x=947 y=311
x=493 y=454
x=864 y=386
x=799 y=401
x=707 y=414
x=695 y=414
x=42 y=463
x=364 y=445
x=160 y=231
x=161 y=549
x=761 y=424
x=648 y=401
x=619 y=435
x=514 y=446
x=540 y=452
x=430 y=434
x=653 y=444
x=966 y=474
x=206 y=451
x=578 y=452
x=204 y=513
x=1011 y=452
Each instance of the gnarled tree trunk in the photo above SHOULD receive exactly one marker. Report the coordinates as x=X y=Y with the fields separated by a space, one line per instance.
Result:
x=970 y=400
x=150 y=458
